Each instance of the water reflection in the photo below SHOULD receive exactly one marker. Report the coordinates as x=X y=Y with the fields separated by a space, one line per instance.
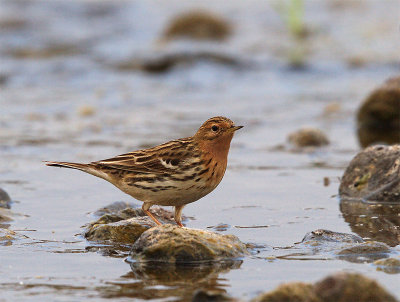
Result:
x=380 y=222
x=157 y=281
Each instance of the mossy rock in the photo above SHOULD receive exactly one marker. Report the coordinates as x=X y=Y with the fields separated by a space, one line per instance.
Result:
x=198 y=25
x=373 y=175
x=346 y=287
x=308 y=137
x=341 y=287
x=172 y=244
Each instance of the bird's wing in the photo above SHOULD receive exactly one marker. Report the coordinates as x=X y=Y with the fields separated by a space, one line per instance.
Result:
x=177 y=155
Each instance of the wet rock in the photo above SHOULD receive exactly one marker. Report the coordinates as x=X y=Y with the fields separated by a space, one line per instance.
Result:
x=344 y=246
x=326 y=235
x=121 y=224
x=296 y=291
x=308 y=137
x=373 y=175
x=378 y=119
x=5 y=200
x=364 y=252
x=166 y=61
x=348 y=287
x=115 y=207
x=172 y=244
x=198 y=25
x=124 y=231
x=374 y=221
x=341 y=287
x=388 y=265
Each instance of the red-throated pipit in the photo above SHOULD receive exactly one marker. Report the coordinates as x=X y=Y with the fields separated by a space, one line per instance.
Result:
x=172 y=174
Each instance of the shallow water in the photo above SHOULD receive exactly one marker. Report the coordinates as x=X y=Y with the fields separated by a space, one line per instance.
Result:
x=271 y=195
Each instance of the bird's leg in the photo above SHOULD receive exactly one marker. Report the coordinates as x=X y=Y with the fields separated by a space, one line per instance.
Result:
x=178 y=215
x=145 y=207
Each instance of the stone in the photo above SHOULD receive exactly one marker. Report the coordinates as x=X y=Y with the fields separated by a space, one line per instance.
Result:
x=296 y=292
x=340 y=287
x=364 y=252
x=373 y=175
x=308 y=137
x=343 y=246
x=388 y=265
x=172 y=244
x=123 y=231
x=378 y=118
x=346 y=287
x=123 y=223
x=198 y=25
x=326 y=235
x=5 y=200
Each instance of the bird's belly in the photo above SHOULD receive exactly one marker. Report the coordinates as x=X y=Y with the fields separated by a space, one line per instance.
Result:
x=168 y=193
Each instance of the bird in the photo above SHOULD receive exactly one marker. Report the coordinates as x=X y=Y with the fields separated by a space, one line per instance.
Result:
x=175 y=173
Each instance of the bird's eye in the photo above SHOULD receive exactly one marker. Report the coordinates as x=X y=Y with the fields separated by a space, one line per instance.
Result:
x=214 y=128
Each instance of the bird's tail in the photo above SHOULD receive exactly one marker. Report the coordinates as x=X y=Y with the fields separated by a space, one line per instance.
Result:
x=82 y=167
x=88 y=168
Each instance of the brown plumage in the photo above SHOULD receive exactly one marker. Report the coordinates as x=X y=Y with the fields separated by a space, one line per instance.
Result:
x=172 y=174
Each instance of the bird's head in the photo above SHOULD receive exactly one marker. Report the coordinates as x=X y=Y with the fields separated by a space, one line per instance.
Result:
x=216 y=134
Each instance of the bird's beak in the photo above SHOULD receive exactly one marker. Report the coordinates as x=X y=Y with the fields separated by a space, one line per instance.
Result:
x=234 y=128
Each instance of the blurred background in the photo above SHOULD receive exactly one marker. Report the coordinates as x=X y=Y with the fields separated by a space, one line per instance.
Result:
x=86 y=80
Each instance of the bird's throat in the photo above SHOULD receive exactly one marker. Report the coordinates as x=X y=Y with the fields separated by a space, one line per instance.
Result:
x=218 y=148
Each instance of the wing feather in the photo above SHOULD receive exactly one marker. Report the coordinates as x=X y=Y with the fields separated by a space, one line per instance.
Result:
x=161 y=159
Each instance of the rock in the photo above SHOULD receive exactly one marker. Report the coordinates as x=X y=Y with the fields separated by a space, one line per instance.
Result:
x=198 y=25
x=122 y=224
x=378 y=119
x=326 y=235
x=346 y=287
x=308 y=137
x=388 y=265
x=373 y=175
x=296 y=292
x=172 y=244
x=364 y=252
x=341 y=287
x=5 y=200
x=123 y=231
x=115 y=207
x=344 y=246
x=374 y=221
